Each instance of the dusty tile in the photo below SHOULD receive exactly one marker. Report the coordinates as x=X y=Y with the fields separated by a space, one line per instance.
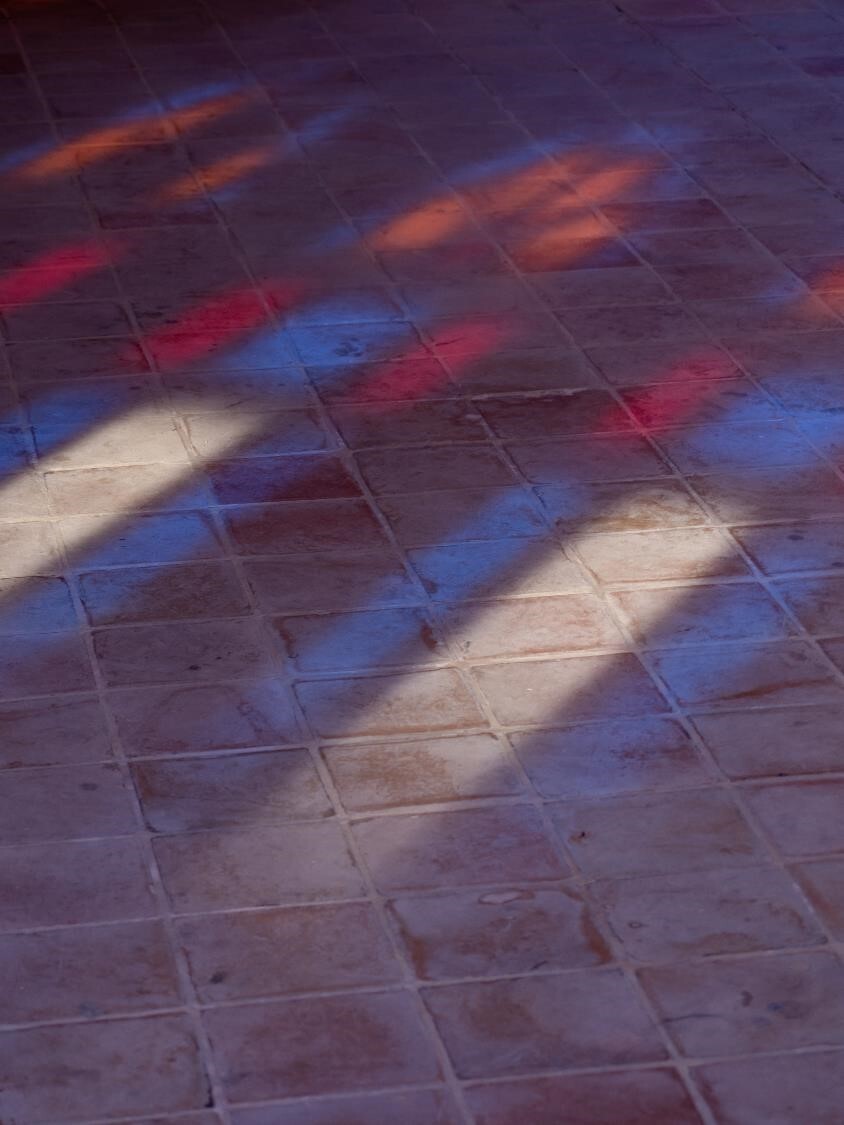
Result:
x=424 y=468
x=602 y=457
x=633 y=1097
x=256 y=865
x=489 y=845
x=547 y=692
x=631 y=324
x=786 y=548
x=169 y=537
x=763 y=1091
x=287 y=951
x=87 y=971
x=388 y=705
x=370 y=640
x=230 y=791
x=194 y=650
x=529 y=626
x=35 y=605
x=494 y=1028
x=777 y=494
x=50 y=663
x=818 y=603
x=64 y=803
x=502 y=568
x=621 y=506
x=126 y=488
x=299 y=527
x=752 y=1004
x=314 y=1046
x=335 y=580
x=646 y=834
x=664 y=362
x=365 y=425
x=609 y=758
x=73 y=882
x=676 y=917
x=823 y=882
x=679 y=615
x=739 y=446
x=457 y=516
x=66 y=1073
x=194 y=719
x=502 y=371
x=563 y=415
x=510 y=931
x=52 y=732
x=654 y=556
x=303 y=476
x=417 y=1107
x=28 y=548
x=388 y=775
x=242 y=434
x=162 y=593
x=747 y=676
x=801 y=817
x=788 y=740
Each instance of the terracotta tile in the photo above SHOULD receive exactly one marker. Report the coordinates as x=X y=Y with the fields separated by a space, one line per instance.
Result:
x=527 y=370
x=388 y=705
x=417 y=1107
x=164 y=593
x=336 y=580
x=740 y=446
x=405 y=379
x=496 y=568
x=195 y=650
x=494 y=1028
x=609 y=758
x=452 y=517
x=64 y=803
x=426 y=468
x=801 y=817
x=621 y=506
x=256 y=435
x=788 y=740
x=569 y=288
x=314 y=1046
x=658 y=833
x=634 y=324
x=679 y=615
x=269 y=479
x=601 y=457
x=779 y=494
x=287 y=951
x=823 y=882
x=786 y=548
x=353 y=343
x=230 y=791
x=299 y=527
x=126 y=488
x=71 y=883
x=28 y=548
x=529 y=626
x=763 y=1091
x=511 y=931
x=546 y=692
x=633 y=1097
x=365 y=641
x=698 y=402
x=88 y=971
x=655 y=556
x=52 y=732
x=662 y=362
x=763 y=1003
x=589 y=411
x=816 y=602
x=197 y=718
x=36 y=605
x=66 y=1073
x=474 y=846
x=169 y=537
x=55 y=663
x=747 y=675
x=76 y=359
x=676 y=917
x=393 y=774
x=256 y=865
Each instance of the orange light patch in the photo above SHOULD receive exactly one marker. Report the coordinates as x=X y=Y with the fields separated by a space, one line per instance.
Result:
x=217 y=175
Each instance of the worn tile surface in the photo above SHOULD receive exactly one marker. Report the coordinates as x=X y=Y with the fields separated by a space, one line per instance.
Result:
x=422 y=562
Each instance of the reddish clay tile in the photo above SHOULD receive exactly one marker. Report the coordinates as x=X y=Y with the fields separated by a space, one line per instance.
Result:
x=774 y=1090
x=49 y=732
x=416 y=1107
x=495 y=1028
x=317 y=1046
x=279 y=952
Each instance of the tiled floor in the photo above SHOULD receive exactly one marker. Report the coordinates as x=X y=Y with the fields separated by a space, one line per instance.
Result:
x=422 y=526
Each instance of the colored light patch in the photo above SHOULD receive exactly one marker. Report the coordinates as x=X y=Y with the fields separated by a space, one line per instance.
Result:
x=219 y=174
x=52 y=271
